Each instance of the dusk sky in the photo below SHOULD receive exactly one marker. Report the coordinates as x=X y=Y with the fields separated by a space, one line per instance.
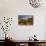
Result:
x=24 y=16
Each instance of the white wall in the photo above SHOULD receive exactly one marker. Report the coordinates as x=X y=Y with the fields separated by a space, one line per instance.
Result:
x=13 y=8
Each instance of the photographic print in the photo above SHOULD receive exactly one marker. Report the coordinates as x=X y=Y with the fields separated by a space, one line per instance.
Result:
x=25 y=20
